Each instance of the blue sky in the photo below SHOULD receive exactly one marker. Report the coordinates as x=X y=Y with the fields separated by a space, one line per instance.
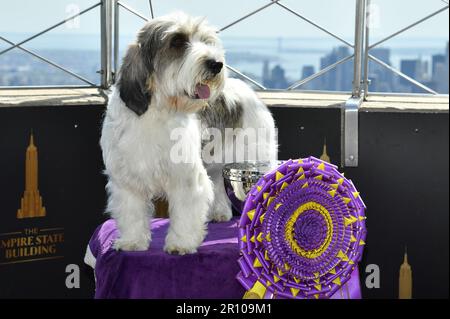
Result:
x=337 y=15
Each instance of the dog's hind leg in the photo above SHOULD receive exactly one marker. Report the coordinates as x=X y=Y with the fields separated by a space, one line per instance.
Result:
x=189 y=198
x=131 y=213
x=220 y=210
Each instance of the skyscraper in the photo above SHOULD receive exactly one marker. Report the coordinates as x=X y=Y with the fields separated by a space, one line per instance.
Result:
x=405 y=279
x=416 y=69
x=436 y=59
x=278 y=78
x=442 y=74
x=266 y=74
x=275 y=79
x=339 y=79
x=31 y=203
x=408 y=67
x=439 y=73
x=308 y=70
x=381 y=80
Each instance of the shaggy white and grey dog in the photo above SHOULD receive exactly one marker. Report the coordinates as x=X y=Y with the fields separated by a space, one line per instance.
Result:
x=174 y=78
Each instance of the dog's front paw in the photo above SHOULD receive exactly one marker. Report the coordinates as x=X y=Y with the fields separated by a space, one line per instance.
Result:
x=177 y=249
x=132 y=244
x=183 y=245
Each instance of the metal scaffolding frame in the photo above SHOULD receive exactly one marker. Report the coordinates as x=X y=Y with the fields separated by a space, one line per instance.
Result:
x=38 y=34
x=110 y=30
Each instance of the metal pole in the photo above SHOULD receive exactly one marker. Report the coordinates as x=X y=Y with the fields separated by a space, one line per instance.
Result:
x=366 y=53
x=350 y=111
x=106 y=43
x=151 y=9
x=358 y=48
x=116 y=40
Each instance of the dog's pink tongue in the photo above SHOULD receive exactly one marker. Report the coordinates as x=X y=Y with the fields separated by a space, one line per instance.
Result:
x=202 y=91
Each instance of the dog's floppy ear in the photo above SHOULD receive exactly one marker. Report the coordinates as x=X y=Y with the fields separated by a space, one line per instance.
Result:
x=133 y=78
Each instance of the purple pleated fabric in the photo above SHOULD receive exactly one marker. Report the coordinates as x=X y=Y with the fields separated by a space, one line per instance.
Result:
x=302 y=233
x=209 y=273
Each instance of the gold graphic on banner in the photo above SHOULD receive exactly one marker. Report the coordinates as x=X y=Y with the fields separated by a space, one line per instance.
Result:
x=34 y=241
x=31 y=203
x=405 y=279
x=324 y=157
x=30 y=245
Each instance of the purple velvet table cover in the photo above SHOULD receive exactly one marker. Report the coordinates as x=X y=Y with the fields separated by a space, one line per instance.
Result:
x=210 y=273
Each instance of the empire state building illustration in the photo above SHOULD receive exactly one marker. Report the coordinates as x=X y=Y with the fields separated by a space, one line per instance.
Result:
x=31 y=203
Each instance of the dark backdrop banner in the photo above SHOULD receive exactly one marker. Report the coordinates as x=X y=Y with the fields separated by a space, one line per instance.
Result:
x=35 y=251
x=402 y=177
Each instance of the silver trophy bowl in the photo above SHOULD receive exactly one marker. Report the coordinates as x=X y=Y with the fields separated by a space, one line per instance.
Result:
x=240 y=177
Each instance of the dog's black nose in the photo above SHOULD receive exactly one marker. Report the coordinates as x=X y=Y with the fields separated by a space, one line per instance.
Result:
x=214 y=66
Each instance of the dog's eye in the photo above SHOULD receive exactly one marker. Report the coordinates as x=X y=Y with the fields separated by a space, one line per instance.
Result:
x=179 y=41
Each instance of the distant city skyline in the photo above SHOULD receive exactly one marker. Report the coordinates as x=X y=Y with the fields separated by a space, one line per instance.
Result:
x=299 y=49
x=18 y=69
x=435 y=76
x=274 y=47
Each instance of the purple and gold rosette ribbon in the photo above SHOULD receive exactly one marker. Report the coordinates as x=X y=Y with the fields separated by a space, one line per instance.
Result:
x=301 y=233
